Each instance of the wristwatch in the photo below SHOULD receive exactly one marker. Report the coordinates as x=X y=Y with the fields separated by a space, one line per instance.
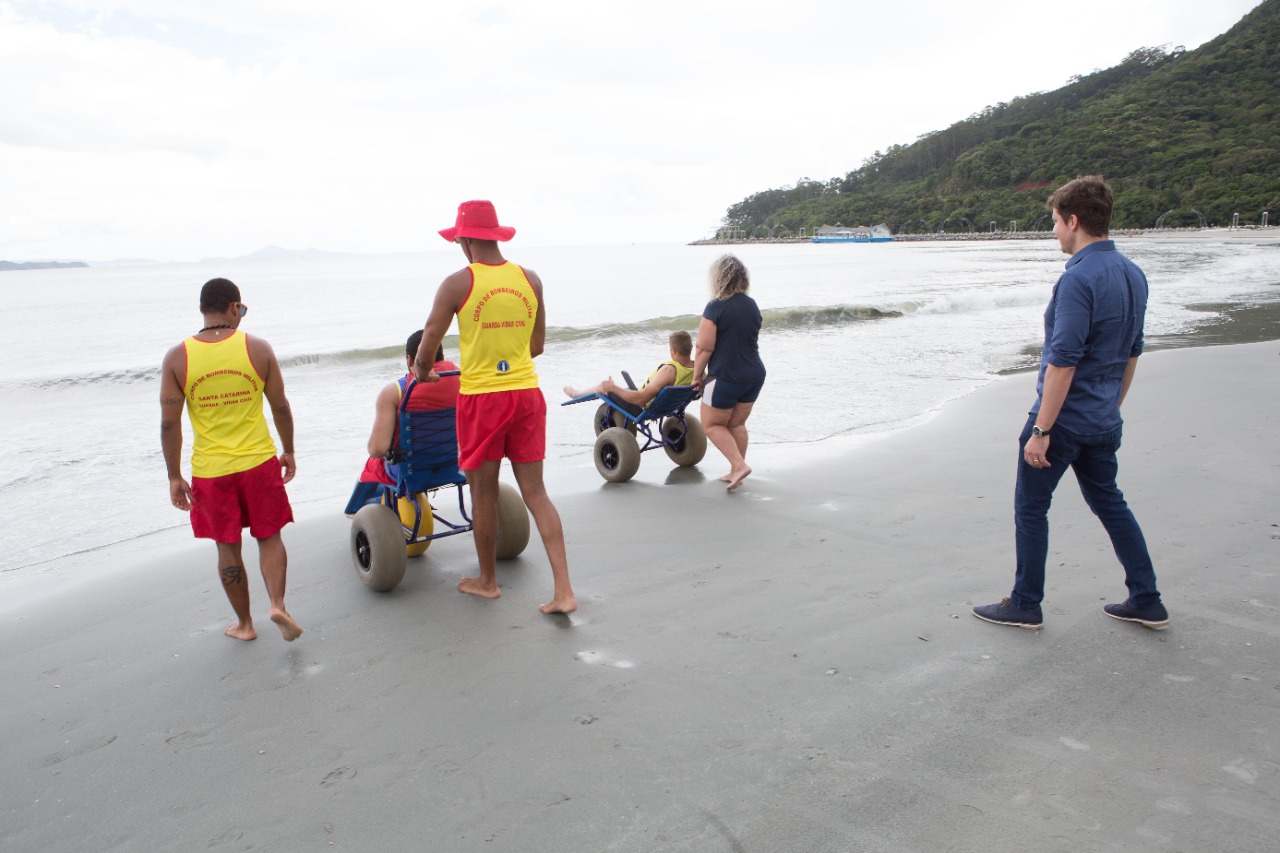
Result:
x=1037 y=432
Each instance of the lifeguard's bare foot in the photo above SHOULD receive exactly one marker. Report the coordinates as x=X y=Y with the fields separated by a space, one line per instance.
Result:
x=726 y=478
x=736 y=478
x=242 y=632
x=558 y=605
x=473 y=586
x=288 y=628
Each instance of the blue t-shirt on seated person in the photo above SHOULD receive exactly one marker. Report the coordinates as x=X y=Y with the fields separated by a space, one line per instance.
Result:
x=1094 y=324
x=736 y=357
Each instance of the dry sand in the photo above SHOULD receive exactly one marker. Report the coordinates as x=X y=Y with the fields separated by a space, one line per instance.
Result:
x=792 y=667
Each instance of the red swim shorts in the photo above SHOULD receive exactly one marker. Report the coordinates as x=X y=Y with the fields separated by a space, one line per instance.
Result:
x=511 y=424
x=221 y=507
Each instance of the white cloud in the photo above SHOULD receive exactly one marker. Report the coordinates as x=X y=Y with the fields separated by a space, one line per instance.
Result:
x=178 y=129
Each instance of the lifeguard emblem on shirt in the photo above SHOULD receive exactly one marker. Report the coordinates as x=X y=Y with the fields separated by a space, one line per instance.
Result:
x=504 y=366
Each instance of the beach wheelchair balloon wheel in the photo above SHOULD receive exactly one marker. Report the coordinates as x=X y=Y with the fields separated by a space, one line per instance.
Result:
x=617 y=455
x=378 y=547
x=608 y=416
x=418 y=506
x=685 y=443
x=513 y=523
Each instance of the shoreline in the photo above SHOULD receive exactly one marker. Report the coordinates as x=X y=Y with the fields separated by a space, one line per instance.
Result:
x=788 y=667
x=1267 y=233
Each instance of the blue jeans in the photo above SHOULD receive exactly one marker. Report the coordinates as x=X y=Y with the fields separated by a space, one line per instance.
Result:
x=1093 y=458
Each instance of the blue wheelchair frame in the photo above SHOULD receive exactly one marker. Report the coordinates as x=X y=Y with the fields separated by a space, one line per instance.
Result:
x=670 y=402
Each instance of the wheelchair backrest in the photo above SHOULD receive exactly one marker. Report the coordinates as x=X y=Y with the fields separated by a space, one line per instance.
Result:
x=428 y=449
x=671 y=400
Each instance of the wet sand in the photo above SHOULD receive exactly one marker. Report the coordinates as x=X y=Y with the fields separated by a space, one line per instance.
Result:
x=791 y=667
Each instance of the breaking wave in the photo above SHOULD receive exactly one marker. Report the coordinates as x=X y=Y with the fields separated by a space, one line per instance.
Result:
x=792 y=319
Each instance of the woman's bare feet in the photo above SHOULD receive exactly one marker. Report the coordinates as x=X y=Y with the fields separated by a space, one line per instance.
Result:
x=288 y=628
x=736 y=478
x=572 y=392
x=557 y=605
x=242 y=632
x=474 y=586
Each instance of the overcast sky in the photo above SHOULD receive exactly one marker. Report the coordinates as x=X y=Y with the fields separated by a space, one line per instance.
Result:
x=178 y=129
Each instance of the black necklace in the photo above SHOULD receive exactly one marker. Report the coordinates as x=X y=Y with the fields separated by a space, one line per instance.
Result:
x=219 y=326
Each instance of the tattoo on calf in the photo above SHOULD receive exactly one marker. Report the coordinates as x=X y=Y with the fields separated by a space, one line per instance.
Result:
x=232 y=575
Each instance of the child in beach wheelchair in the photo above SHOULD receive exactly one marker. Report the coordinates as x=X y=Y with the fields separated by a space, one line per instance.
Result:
x=662 y=422
x=655 y=410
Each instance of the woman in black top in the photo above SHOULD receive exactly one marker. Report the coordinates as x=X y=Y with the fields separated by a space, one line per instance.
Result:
x=728 y=365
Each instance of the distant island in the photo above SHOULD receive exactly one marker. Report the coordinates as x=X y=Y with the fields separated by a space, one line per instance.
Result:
x=1185 y=138
x=267 y=253
x=40 y=265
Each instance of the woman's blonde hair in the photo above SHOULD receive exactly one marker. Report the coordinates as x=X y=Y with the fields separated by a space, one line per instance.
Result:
x=728 y=277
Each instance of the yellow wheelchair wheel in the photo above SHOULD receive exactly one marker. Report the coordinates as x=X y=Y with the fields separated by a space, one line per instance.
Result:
x=405 y=506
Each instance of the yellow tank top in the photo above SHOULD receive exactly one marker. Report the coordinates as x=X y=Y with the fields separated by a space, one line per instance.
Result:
x=494 y=327
x=684 y=375
x=224 y=402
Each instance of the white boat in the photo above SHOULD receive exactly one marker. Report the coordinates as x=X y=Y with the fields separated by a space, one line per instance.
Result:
x=860 y=234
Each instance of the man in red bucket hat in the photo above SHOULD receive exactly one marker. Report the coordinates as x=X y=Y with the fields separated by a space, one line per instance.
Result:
x=501 y=410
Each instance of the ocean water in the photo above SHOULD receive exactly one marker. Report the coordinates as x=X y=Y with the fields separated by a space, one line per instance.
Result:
x=857 y=338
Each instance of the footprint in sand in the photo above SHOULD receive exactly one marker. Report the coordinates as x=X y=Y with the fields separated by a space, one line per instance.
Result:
x=92 y=746
x=333 y=777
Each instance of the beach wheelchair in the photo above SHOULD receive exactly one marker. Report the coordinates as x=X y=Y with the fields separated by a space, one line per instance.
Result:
x=392 y=523
x=620 y=425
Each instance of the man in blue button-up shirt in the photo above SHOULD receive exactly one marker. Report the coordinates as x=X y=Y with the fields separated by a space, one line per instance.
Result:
x=1092 y=340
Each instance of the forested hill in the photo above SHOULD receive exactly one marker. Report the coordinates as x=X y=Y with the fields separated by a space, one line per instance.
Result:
x=1174 y=132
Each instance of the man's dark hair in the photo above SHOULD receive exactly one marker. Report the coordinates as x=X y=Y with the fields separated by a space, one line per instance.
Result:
x=217 y=295
x=681 y=343
x=415 y=341
x=1088 y=198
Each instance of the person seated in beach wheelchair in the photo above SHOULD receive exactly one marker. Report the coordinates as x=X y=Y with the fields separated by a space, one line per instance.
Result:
x=413 y=453
x=656 y=411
